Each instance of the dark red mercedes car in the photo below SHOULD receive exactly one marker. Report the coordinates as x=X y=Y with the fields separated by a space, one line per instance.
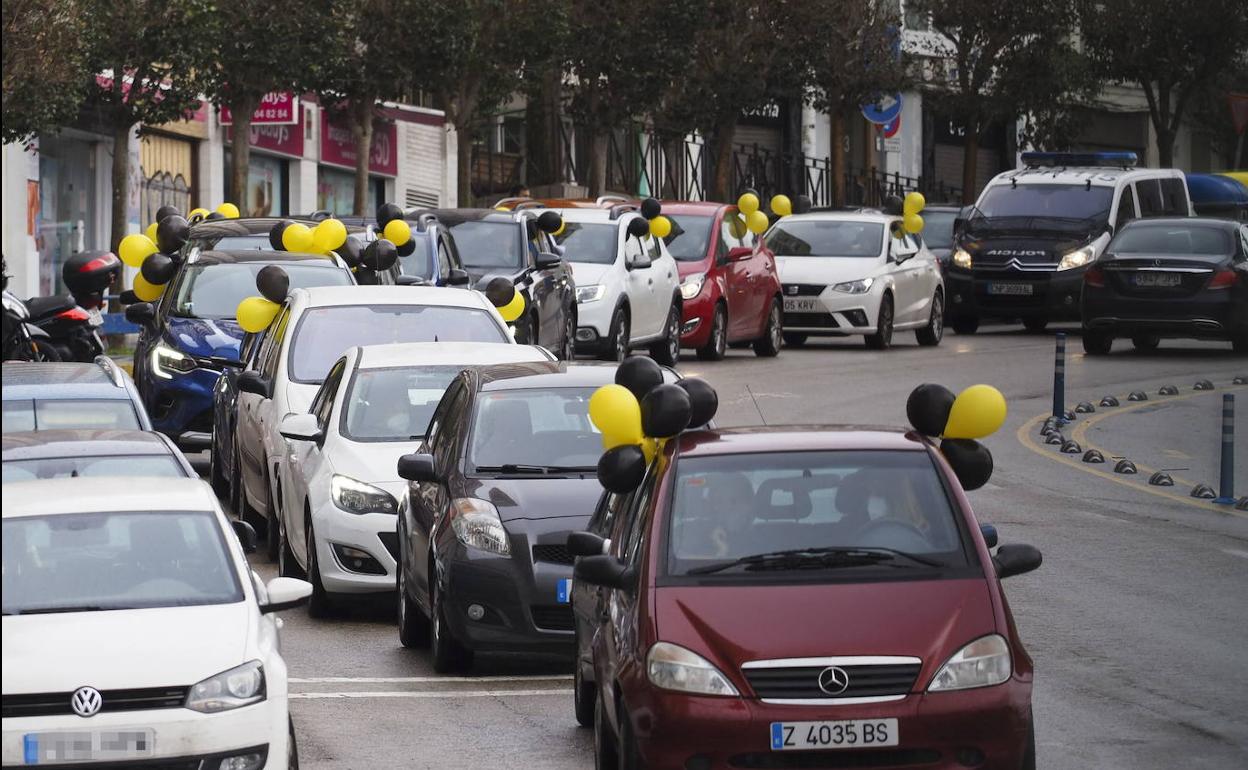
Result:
x=804 y=597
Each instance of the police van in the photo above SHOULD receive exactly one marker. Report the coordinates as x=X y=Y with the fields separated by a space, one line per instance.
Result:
x=1021 y=251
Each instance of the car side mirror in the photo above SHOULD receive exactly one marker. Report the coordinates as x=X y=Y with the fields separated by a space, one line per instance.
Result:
x=246 y=535
x=640 y=262
x=548 y=261
x=603 y=570
x=989 y=533
x=1016 y=560
x=457 y=277
x=301 y=427
x=143 y=314
x=418 y=467
x=739 y=253
x=960 y=220
x=255 y=383
x=285 y=593
x=409 y=280
x=587 y=544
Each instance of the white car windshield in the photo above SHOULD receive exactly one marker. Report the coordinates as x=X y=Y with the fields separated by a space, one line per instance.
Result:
x=1048 y=201
x=537 y=429
x=162 y=466
x=89 y=562
x=826 y=238
x=395 y=404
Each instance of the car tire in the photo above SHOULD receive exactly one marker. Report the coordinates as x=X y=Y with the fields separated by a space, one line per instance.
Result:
x=220 y=485
x=292 y=746
x=965 y=325
x=567 y=350
x=46 y=352
x=1239 y=344
x=447 y=653
x=629 y=754
x=321 y=604
x=287 y=565
x=1029 y=753
x=1097 y=343
x=667 y=350
x=584 y=694
x=883 y=337
x=605 y=755
x=717 y=341
x=413 y=625
x=768 y=345
x=1035 y=325
x=794 y=340
x=1145 y=343
x=239 y=506
x=931 y=335
x=616 y=346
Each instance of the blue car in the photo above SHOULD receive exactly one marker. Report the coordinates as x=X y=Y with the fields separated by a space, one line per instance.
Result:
x=189 y=335
x=435 y=259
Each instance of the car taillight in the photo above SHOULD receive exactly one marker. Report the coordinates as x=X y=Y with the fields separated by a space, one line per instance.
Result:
x=1223 y=279
x=73 y=314
x=1094 y=277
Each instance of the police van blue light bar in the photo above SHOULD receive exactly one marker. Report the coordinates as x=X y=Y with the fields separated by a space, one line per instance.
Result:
x=1054 y=159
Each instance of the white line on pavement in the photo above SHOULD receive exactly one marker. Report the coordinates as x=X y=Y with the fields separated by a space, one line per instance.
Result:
x=423 y=679
x=427 y=694
x=1236 y=552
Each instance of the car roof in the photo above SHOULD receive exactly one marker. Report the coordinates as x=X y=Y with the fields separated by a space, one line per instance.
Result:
x=552 y=374
x=100 y=379
x=329 y=296
x=695 y=208
x=798 y=438
x=1097 y=176
x=1215 y=222
x=401 y=354
x=452 y=217
x=33 y=445
x=233 y=256
x=856 y=215
x=220 y=228
x=106 y=494
x=606 y=216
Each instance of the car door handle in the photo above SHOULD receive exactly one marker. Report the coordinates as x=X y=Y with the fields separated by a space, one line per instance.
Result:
x=650 y=282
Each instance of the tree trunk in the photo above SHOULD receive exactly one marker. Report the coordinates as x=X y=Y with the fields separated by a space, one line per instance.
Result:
x=362 y=133
x=597 y=179
x=463 y=161
x=721 y=183
x=121 y=182
x=837 y=154
x=970 y=162
x=240 y=153
x=1165 y=147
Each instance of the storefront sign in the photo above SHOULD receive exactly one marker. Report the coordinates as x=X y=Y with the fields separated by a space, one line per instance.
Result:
x=276 y=109
x=338 y=146
x=285 y=140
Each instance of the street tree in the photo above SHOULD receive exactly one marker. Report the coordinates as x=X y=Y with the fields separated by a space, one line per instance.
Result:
x=45 y=74
x=1174 y=52
x=148 y=57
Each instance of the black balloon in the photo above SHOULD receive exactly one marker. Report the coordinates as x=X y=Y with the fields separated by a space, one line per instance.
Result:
x=638 y=228
x=928 y=408
x=171 y=234
x=408 y=248
x=971 y=461
x=386 y=213
x=128 y=297
x=157 y=269
x=703 y=400
x=275 y=235
x=893 y=204
x=665 y=411
x=351 y=251
x=651 y=208
x=801 y=204
x=380 y=255
x=215 y=215
x=621 y=468
x=273 y=283
x=500 y=291
x=166 y=211
x=549 y=221
x=639 y=374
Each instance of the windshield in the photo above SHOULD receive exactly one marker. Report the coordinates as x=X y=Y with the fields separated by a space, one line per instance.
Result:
x=324 y=333
x=689 y=237
x=49 y=414
x=87 y=562
x=826 y=238
x=420 y=262
x=213 y=290
x=395 y=404
x=1147 y=238
x=729 y=507
x=1049 y=201
x=161 y=466
x=938 y=229
x=588 y=242
x=488 y=244
x=534 y=428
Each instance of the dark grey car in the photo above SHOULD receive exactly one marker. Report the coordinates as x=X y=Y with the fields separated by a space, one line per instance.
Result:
x=52 y=454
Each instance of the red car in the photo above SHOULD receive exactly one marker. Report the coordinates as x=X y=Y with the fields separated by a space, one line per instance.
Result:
x=792 y=597
x=731 y=293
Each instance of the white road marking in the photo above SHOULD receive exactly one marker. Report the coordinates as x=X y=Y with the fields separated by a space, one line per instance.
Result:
x=424 y=679
x=1236 y=552
x=428 y=694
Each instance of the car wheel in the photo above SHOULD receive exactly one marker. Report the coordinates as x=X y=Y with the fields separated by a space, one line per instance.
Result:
x=605 y=755
x=1239 y=344
x=321 y=605
x=287 y=566
x=794 y=340
x=242 y=509
x=617 y=342
x=667 y=350
x=216 y=477
x=46 y=351
x=883 y=337
x=568 y=343
x=717 y=343
x=1145 y=343
x=584 y=694
x=965 y=325
x=413 y=625
x=1029 y=753
x=447 y=652
x=1097 y=343
x=931 y=334
x=292 y=747
x=1035 y=325
x=768 y=345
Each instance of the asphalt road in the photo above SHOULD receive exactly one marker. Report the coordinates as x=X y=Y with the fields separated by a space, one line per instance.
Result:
x=1138 y=620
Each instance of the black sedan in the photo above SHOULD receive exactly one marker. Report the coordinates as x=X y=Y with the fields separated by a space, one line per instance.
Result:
x=1169 y=278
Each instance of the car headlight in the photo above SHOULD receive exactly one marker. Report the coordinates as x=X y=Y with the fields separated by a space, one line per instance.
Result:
x=355 y=496
x=672 y=667
x=1076 y=258
x=692 y=285
x=477 y=524
x=166 y=362
x=855 y=287
x=240 y=686
x=591 y=293
x=982 y=663
x=962 y=258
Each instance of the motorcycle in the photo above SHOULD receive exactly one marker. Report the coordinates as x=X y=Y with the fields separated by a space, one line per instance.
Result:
x=72 y=322
x=22 y=340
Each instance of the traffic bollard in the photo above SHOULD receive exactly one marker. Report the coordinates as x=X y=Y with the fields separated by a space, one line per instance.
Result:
x=1226 y=489
x=1059 y=380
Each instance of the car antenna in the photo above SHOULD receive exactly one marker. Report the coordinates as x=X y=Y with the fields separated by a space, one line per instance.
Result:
x=755 y=400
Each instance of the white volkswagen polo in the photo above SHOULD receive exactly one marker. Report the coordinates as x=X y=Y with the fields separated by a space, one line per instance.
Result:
x=855 y=272
x=134 y=630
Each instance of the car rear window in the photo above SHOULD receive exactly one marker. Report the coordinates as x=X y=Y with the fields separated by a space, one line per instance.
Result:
x=588 y=242
x=213 y=290
x=395 y=404
x=161 y=466
x=49 y=414
x=1146 y=238
x=541 y=429
x=826 y=238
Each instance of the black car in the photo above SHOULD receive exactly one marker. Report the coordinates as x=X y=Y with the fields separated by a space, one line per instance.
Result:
x=495 y=243
x=224 y=416
x=938 y=221
x=1163 y=278
x=507 y=471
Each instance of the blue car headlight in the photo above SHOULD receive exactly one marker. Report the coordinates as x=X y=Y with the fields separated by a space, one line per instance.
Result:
x=167 y=361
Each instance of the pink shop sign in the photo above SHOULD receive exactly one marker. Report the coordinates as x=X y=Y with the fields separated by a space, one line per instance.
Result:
x=276 y=109
x=338 y=146
x=286 y=140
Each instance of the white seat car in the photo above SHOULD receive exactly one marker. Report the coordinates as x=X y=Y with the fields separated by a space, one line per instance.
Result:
x=627 y=289
x=134 y=631
x=341 y=484
x=855 y=272
x=313 y=328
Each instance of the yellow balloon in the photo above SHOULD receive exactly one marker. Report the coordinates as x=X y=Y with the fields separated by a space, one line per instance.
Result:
x=150 y=232
x=200 y=212
x=256 y=313
x=781 y=206
x=913 y=223
x=514 y=309
x=328 y=235
x=563 y=227
x=757 y=222
x=650 y=447
x=978 y=411
x=297 y=237
x=614 y=410
x=736 y=226
x=148 y=292
x=914 y=203
x=398 y=232
x=228 y=210
x=660 y=226
x=135 y=248
x=748 y=203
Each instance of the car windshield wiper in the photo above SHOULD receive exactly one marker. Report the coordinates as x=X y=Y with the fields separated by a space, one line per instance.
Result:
x=537 y=469
x=71 y=608
x=808 y=558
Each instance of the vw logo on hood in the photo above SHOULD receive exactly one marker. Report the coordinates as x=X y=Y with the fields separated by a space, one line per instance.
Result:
x=833 y=680
x=86 y=701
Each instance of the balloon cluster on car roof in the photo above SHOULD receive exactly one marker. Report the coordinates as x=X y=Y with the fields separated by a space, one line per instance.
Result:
x=156 y=251
x=975 y=413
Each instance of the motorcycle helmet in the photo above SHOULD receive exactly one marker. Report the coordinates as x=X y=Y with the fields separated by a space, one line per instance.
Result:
x=88 y=274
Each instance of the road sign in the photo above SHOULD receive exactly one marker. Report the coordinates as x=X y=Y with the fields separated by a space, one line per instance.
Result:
x=891 y=128
x=884 y=109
